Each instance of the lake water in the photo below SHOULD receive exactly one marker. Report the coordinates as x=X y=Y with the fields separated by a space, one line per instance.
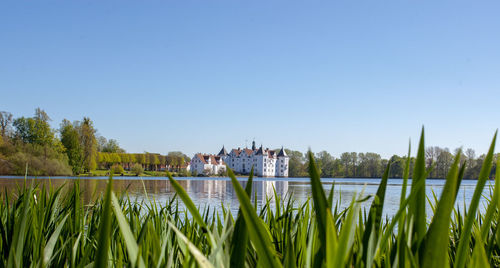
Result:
x=216 y=191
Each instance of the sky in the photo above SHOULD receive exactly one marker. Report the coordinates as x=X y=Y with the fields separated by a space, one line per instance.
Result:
x=161 y=76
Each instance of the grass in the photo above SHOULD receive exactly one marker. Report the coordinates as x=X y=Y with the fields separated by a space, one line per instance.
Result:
x=44 y=226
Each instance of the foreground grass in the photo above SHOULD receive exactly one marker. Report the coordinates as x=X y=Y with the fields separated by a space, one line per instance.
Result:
x=51 y=227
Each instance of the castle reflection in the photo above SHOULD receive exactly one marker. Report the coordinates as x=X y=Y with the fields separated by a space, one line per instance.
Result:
x=212 y=192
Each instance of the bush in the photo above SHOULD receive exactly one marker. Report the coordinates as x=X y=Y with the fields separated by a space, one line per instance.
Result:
x=117 y=169
x=137 y=169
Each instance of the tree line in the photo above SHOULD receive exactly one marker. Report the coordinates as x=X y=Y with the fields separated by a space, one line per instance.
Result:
x=148 y=161
x=29 y=145
x=372 y=165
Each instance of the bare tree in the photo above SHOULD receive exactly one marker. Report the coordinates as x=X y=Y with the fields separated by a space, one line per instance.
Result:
x=5 y=121
x=471 y=157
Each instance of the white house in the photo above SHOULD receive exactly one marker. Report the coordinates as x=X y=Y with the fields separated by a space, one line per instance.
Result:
x=207 y=164
x=266 y=163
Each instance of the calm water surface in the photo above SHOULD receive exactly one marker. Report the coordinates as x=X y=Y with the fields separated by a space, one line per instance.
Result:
x=216 y=191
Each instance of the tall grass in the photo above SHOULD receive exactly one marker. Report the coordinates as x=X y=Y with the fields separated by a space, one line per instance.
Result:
x=44 y=226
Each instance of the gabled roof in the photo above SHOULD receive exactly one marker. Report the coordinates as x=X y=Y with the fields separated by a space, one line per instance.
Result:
x=282 y=153
x=201 y=157
x=222 y=151
x=236 y=152
x=248 y=151
x=260 y=151
x=216 y=160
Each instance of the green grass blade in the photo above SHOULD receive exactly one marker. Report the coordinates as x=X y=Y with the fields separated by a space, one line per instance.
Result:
x=435 y=246
x=463 y=245
x=258 y=233
x=49 y=247
x=239 y=240
x=331 y=241
x=375 y=213
x=319 y=201
x=417 y=205
x=493 y=206
x=197 y=254
x=128 y=237
x=101 y=259
x=330 y=195
x=290 y=259
x=187 y=201
x=479 y=257
x=346 y=236
x=406 y=175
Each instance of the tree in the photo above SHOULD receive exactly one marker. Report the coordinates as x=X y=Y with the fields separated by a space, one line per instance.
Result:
x=296 y=165
x=35 y=130
x=443 y=163
x=71 y=142
x=345 y=160
x=89 y=144
x=5 y=121
x=471 y=160
x=141 y=159
x=325 y=162
x=397 y=166
x=109 y=146
x=137 y=169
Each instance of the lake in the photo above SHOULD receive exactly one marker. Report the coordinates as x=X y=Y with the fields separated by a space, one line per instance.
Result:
x=216 y=191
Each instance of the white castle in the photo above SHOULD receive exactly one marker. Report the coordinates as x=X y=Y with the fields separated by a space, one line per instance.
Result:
x=266 y=163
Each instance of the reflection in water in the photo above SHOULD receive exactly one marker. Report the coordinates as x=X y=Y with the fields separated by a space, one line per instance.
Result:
x=214 y=192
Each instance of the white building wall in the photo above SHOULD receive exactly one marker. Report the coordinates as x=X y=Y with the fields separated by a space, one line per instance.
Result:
x=282 y=167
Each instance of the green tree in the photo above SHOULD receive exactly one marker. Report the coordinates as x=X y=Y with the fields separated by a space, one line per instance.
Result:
x=35 y=130
x=110 y=146
x=71 y=142
x=296 y=164
x=89 y=144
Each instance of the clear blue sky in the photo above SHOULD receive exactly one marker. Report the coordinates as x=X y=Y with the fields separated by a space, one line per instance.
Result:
x=193 y=75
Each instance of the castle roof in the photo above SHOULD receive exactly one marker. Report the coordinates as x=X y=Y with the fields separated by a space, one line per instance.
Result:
x=202 y=158
x=236 y=151
x=248 y=151
x=222 y=151
x=214 y=159
x=282 y=152
x=260 y=151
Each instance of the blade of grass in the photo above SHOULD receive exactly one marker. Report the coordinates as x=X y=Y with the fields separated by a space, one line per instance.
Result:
x=435 y=246
x=197 y=254
x=463 y=244
x=375 y=215
x=258 y=233
x=191 y=207
x=103 y=242
x=320 y=203
x=493 y=206
x=128 y=237
x=49 y=247
x=239 y=240
x=417 y=205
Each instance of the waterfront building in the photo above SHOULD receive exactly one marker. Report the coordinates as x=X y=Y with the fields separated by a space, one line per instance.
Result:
x=266 y=162
x=207 y=164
